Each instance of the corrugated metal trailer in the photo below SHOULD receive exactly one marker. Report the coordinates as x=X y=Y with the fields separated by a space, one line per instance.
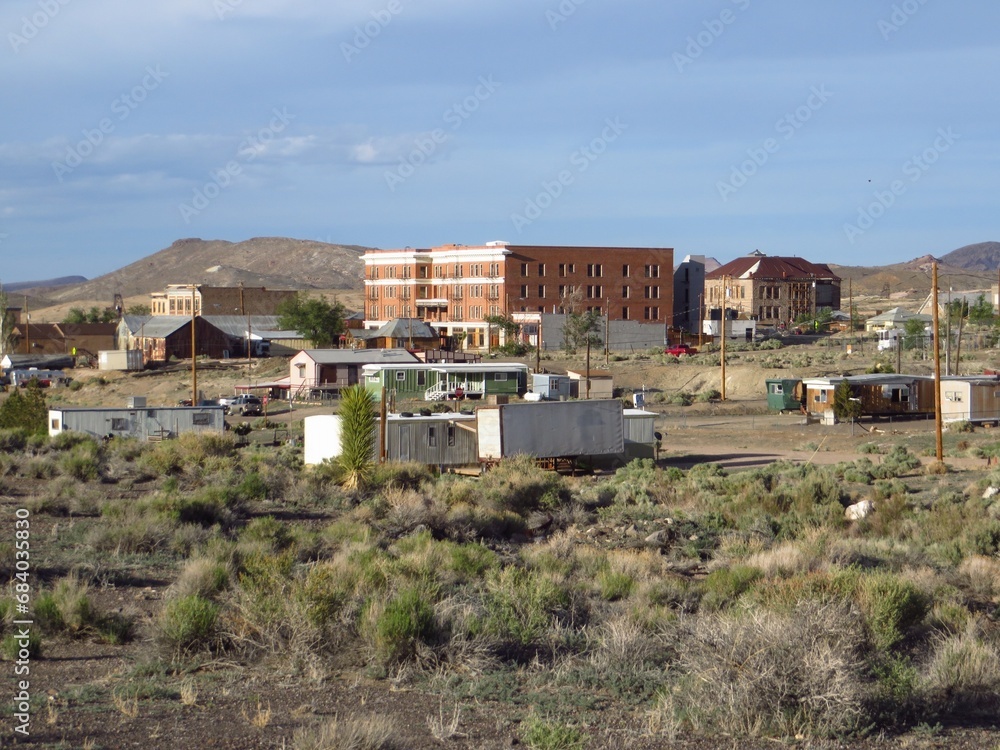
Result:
x=443 y=439
x=554 y=429
x=974 y=398
x=119 y=359
x=153 y=423
x=640 y=435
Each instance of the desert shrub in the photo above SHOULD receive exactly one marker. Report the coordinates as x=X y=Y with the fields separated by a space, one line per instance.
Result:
x=870 y=448
x=397 y=628
x=640 y=481
x=898 y=461
x=81 y=462
x=12 y=647
x=542 y=734
x=681 y=398
x=374 y=732
x=706 y=396
x=519 y=485
x=202 y=577
x=141 y=535
x=891 y=605
x=522 y=605
x=722 y=587
x=25 y=409
x=407 y=475
x=252 y=487
x=269 y=531
x=13 y=440
x=71 y=598
x=207 y=506
x=187 y=623
x=612 y=585
x=757 y=672
x=963 y=671
x=962 y=426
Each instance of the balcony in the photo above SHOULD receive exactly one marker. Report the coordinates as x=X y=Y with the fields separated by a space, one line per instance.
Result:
x=432 y=302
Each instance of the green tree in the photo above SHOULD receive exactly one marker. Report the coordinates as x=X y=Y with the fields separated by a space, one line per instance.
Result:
x=137 y=310
x=75 y=315
x=913 y=333
x=981 y=312
x=25 y=409
x=313 y=317
x=511 y=346
x=357 y=435
x=844 y=409
x=581 y=330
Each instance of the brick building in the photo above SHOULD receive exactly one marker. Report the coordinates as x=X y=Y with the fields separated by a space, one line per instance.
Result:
x=217 y=300
x=772 y=290
x=455 y=287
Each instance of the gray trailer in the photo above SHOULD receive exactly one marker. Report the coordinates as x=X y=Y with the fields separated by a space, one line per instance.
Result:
x=152 y=423
x=554 y=429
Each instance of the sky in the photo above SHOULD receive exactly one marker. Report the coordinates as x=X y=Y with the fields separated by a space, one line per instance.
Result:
x=861 y=132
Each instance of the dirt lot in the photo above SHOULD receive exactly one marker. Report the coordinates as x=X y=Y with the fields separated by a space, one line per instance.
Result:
x=86 y=693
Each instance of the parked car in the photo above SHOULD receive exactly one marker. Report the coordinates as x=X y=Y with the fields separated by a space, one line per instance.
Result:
x=244 y=404
x=680 y=350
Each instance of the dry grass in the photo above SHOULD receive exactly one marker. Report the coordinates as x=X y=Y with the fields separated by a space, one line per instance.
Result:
x=964 y=669
x=981 y=576
x=444 y=727
x=372 y=732
x=258 y=715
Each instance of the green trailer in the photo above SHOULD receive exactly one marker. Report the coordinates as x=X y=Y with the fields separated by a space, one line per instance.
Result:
x=784 y=394
x=443 y=381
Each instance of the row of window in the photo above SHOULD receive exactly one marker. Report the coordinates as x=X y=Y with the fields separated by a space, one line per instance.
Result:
x=592 y=291
x=594 y=270
x=423 y=292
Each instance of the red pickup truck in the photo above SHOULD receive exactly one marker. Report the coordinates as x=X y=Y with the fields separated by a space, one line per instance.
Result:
x=680 y=350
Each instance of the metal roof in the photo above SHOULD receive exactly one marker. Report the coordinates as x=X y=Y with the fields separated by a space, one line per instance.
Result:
x=360 y=356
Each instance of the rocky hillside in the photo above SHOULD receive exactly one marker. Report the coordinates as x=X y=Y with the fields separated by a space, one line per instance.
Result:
x=274 y=262
x=982 y=256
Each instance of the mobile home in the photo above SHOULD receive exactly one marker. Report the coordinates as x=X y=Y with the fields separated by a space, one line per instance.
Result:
x=152 y=423
x=880 y=395
x=441 y=381
x=973 y=398
x=552 y=429
x=784 y=394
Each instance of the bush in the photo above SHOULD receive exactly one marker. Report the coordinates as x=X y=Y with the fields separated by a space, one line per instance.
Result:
x=539 y=734
x=891 y=606
x=398 y=628
x=372 y=732
x=757 y=672
x=521 y=605
x=188 y=623
x=964 y=671
x=682 y=398
x=519 y=485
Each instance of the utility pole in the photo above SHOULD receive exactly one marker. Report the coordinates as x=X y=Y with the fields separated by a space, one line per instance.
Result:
x=850 y=310
x=700 y=334
x=194 y=356
x=607 y=330
x=947 y=356
x=937 y=369
x=538 y=345
x=722 y=328
x=27 y=327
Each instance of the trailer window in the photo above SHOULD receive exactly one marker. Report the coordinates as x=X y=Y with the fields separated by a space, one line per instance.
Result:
x=432 y=436
x=55 y=424
x=119 y=424
x=776 y=388
x=499 y=376
x=451 y=434
x=400 y=375
x=201 y=419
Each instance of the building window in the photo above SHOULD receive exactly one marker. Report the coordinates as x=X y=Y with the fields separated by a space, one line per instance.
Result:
x=421 y=377
x=820 y=398
x=524 y=291
x=458 y=270
x=451 y=434
x=595 y=292
x=495 y=310
x=456 y=313
x=594 y=270
x=541 y=291
x=494 y=270
x=624 y=313
x=562 y=269
x=432 y=440
x=651 y=313
x=652 y=271
x=625 y=271
x=390 y=272
x=652 y=292
x=202 y=420
x=777 y=389
x=55 y=424
x=406 y=272
x=524 y=269
x=625 y=292
x=119 y=424
x=374 y=272
x=437 y=272
x=541 y=269
x=375 y=312
x=499 y=376
x=494 y=291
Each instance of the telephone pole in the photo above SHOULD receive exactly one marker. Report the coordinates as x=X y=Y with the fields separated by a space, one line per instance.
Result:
x=722 y=329
x=937 y=368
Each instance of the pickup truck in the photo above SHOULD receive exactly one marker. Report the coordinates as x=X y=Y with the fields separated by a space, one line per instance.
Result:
x=680 y=350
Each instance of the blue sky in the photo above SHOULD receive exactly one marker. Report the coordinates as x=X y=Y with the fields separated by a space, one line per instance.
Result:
x=858 y=132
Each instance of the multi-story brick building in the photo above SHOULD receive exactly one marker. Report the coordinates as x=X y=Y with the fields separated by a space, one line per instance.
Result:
x=772 y=290
x=455 y=287
x=217 y=300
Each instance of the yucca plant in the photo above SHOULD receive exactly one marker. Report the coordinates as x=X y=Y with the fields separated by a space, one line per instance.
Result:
x=357 y=436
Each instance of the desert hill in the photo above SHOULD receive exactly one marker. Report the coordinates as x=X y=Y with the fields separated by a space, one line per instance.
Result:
x=910 y=279
x=982 y=256
x=274 y=262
